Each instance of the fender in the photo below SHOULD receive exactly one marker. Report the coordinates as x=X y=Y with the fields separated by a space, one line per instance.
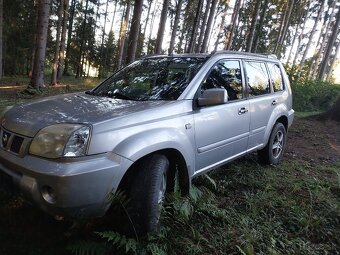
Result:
x=143 y=143
x=279 y=111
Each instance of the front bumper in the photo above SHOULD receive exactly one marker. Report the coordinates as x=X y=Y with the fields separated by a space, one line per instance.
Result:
x=80 y=186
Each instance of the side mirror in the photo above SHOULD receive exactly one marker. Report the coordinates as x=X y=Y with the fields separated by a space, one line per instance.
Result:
x=213 y=96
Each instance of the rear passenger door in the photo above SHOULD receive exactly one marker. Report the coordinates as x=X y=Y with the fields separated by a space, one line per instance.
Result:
x=221 y=131
x=261 y=98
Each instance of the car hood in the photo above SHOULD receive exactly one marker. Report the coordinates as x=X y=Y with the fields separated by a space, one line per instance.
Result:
x=27 y=119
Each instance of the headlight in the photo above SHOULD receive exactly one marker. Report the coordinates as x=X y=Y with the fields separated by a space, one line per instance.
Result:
x=61 y=140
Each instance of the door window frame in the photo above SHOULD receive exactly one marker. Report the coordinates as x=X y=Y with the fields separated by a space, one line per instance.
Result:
x=244 y=95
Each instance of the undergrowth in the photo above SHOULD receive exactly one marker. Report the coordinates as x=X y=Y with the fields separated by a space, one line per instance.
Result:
x=311 y=96
x=245 y=208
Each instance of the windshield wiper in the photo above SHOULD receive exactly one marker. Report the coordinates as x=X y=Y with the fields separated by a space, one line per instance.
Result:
x=119 y=95
x=89 y=92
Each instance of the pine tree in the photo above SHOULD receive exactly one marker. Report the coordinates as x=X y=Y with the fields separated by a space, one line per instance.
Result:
x=37 y=80
x=161 y=27
x=175 y=26
x=57 y=44
x=134 y=31
x=209 y=25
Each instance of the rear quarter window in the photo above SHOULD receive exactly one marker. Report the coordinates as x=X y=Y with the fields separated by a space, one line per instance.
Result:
x=276 y=77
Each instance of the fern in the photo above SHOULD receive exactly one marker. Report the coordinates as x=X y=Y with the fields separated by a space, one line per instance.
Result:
x=88 y=248
x=120 y=241
x=120 y=198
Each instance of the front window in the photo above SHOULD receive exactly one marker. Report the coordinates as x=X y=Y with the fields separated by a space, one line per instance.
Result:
x=225 y=74
x=163 y=78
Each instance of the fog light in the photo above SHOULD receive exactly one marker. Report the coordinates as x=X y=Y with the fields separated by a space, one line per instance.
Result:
x=48 y=194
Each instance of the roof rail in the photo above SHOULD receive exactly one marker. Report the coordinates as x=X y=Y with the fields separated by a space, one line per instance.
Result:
x=273 y=56
x=152 y=55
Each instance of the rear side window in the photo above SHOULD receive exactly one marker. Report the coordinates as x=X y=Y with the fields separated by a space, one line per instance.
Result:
x=257 y=78
x=276 y=77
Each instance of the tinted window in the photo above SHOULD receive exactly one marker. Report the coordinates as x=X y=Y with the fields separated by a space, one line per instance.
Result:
x=276 y=77
x=258 y=80
x=225 y=74
x=162 y=78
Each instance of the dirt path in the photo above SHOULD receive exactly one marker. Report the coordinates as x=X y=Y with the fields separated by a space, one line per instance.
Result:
x=314 y=141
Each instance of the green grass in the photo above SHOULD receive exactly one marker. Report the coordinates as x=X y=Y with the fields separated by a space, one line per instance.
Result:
x=292 y=208
x=307 y=114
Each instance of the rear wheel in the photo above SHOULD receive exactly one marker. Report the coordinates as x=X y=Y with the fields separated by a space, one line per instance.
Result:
x=273 y=152
x=147 y=192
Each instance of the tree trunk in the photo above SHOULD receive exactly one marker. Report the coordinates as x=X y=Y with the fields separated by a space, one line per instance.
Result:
x=151 y=27
x=79 y=71
x=122 y=38
x=259 y=27
x=102 y=63
x=207 y=31
x=256 y=13
x=69 y=36
x=311 y=35
x=37 y=80
x=213 y=26
x=113 y=15
x=147 y=17
x=175 y=26
x=134 y=31
x=161 y=27
x=283 y=28
x=34 y=46
x=305 y=19
x=330 y=45
x=62 y=42
x=1 y=25
x=293 y=42
x=195 y=27
x=230 y=34
x=323 y=44
x=57 y=45
x=330 y=71
x=282 y=24
x=220 y=30
x=204 y=23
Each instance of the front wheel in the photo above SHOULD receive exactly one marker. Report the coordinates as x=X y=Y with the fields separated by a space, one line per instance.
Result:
x=147 y=192
x=273 y=152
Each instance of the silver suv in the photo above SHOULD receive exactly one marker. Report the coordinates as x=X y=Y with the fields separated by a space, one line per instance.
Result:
x=159 y=117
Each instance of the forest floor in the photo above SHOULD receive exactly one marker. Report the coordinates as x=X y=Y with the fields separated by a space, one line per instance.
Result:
x=289 y=208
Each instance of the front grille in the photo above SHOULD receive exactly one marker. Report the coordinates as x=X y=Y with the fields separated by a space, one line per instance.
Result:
x=16 y=144
x=13 y=143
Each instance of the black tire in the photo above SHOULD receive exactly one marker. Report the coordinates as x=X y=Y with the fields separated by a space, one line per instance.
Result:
x=273 y=152
x=147 y=192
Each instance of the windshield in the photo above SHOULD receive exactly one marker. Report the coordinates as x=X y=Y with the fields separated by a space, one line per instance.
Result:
x=163 y=78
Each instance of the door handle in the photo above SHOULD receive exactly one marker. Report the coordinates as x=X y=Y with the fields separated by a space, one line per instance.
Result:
x=274 y=102
x=242 y=110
